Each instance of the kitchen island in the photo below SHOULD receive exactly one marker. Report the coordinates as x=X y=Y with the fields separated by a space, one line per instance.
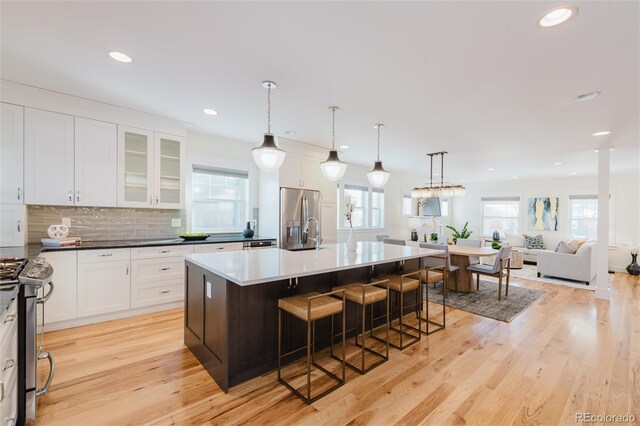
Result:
x=231 y=299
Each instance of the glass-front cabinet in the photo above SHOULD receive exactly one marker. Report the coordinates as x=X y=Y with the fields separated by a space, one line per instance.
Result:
x=150 y=169
x=169 y=172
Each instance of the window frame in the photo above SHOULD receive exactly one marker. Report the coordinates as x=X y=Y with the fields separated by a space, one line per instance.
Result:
x=505 y=199
x=367 y=211
x=573 y=198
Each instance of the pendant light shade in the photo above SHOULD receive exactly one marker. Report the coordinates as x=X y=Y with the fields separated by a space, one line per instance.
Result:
x=332 y=168
x=378 y=176
x=268 y=156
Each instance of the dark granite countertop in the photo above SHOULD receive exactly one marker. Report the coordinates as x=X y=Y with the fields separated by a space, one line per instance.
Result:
x=7 y=294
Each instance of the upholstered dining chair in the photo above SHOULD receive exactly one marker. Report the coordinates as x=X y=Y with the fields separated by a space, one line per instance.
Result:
x=432 y=261
x=381 y=237
x=470 y=243
x=396 y=242
x=501 y=265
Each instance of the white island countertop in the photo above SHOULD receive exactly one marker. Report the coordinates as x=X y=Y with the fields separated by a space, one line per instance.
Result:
x=248 y=267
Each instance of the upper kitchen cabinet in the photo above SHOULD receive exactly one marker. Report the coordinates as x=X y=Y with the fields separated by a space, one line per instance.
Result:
x=300 y=171
x=48 y=158
x=96 y=163
x=135 y=167
x=11 y=155
x=151 y=171
x=169 y=171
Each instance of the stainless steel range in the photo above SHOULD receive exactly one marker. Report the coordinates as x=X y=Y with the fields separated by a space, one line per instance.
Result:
x=34 y=278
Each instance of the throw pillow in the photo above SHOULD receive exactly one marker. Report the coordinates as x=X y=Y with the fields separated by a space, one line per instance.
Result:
x=514 y=239
x=565 y=248
x=581 y=242
x=533 y=242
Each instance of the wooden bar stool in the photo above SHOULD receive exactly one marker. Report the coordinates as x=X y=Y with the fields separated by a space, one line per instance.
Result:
x=363 y=295
x=432 y=275
x=309 y=308
x=401 y=284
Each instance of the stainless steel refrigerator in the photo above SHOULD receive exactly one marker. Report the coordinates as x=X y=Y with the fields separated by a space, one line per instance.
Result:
x=297 y=207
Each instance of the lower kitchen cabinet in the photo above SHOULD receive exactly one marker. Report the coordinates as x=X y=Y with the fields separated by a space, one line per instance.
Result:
x=213 y=248
x=63 y=302
x=215 y=315
x=103 y=287
x=156 y=281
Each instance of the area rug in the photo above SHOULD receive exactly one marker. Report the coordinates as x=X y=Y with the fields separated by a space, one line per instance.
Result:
x=530 y=272
x=485 y=301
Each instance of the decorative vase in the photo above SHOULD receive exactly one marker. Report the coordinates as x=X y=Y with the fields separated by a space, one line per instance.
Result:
x=414 y=235
x=634 y=268
x=352 y=244
x=496 y=236
x=248 y=233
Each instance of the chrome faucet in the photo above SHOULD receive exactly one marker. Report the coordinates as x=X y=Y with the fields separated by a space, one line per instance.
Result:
x=306 y=231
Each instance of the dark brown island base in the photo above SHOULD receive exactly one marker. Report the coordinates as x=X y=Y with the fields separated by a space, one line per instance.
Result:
x=231 y=300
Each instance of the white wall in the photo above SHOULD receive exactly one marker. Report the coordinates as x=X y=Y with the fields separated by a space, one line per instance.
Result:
x=625 y=191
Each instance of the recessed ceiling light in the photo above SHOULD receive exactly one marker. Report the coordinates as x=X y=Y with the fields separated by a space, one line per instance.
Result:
x=606 y=132
x=573 y=173
x=587 y=96
x=121 y=57
x=290 y=132
x=559 y=163
x=491 y=169
x=557 y=16
x=209 y=111
x=344 y=146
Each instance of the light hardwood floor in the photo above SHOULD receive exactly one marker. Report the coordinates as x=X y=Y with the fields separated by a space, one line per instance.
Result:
x=567 y=353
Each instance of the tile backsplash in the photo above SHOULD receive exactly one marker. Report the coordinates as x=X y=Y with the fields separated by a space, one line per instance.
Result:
x=102 y=223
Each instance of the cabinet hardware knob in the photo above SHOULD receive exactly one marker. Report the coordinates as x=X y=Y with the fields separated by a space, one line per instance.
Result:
x=106 y=255
x=19 y=194
x=70 y=195
x=19 y=226
x=77 y=195
x=10 y=363
x=165 y=291
x=157 y=199
x=164 y=251
x=10 y=318
x=165 y=269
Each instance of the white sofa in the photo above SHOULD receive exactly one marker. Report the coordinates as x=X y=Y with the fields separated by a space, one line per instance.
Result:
x=580 y=266
x=516 y=241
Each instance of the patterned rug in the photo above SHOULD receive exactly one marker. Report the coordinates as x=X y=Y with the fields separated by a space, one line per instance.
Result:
x=485 y=301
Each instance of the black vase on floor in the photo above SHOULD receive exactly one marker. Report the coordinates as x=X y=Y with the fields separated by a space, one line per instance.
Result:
x=634 y=268
x=248 y=233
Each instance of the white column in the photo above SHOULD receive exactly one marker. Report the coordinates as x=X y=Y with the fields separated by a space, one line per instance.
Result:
x=602 y=247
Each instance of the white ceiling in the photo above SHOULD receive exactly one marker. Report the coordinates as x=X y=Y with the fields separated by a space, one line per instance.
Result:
x=478 y=79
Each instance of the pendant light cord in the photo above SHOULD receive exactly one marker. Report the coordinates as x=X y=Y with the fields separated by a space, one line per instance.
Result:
x=378 y=142
x=333 y=129
x=269 y=109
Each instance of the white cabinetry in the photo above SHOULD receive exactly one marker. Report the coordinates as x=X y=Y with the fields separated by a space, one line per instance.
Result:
x=96 y=163
x=12 y=225
x=49 y=158
x=63 y=302
x=104 y=285
x=11 y=154
x=300 y=171
x=9 y=364
x=150 y=169
x=212 y=248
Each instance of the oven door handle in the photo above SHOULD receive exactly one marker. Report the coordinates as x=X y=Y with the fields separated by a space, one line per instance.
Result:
x=52 y=369
x=47 y=296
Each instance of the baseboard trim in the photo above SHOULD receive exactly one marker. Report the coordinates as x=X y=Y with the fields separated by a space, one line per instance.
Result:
x=78 y=322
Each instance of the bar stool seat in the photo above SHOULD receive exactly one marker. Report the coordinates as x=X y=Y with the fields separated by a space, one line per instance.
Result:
x=321 y=307
x=404 y=284
x=432 y=277
x=353 y=293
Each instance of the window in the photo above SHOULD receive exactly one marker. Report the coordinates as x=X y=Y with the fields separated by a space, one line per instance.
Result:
x=584 y=216
x=500 y=214
x=444 y=207
x=369 y=206
x=219 y=200
x=407 y=205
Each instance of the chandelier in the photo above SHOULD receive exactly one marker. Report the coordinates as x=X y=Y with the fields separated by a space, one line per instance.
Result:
x=436 y=190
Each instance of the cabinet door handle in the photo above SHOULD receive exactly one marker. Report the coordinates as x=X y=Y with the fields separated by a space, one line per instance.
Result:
x=106 y=255
x=9 y=318
x=127 y=270
x=9 y=364
x=1 y=391
x=219 y=248
x=19 y=194
x=165 y=291
x=77 y=195
x=19 y=226
x=164 y=251
x=157 y=200
x=70 y=195
x=165 y=269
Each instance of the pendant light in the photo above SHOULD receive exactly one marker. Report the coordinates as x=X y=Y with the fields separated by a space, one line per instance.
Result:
x=332 y=168
x=268 y=156
x=436 y=190
x=378 y=176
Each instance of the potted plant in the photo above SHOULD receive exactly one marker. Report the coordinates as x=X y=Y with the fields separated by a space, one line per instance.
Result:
x=433 y=236
x=463 y=234
x=348 y=206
